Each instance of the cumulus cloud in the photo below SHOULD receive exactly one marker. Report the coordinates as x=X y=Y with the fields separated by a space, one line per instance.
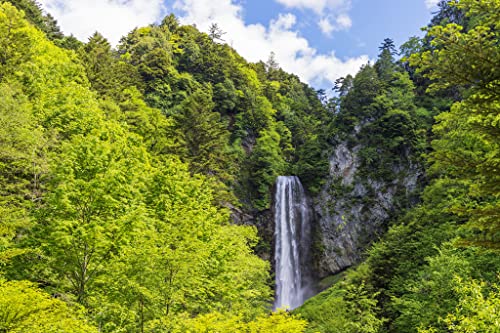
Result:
x=341 y=22
x=333 y=13
x=255 y=41
x=285 y=21
x=112 y=18
x=326 y=26
x=431 y=3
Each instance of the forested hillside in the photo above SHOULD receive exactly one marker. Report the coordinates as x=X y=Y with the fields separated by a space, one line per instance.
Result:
x=115 y=174
x=437 y=267
x=136 y=181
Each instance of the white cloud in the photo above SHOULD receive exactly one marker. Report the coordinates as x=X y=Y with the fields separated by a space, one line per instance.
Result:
x=341 y=22
x=255 y=41
x=112 y=18
x=319 y=6
x=326 y=26
x=285 y=21
x=333 y=13
x=431 y=3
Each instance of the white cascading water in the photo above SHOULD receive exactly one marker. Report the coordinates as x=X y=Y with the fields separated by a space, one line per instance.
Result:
x=292 y=237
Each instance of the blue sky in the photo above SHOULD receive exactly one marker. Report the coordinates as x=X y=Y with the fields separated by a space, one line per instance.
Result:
x=372 y=21
x=319 y=40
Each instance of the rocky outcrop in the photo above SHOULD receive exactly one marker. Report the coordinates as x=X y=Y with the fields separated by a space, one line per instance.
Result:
x=352 y=210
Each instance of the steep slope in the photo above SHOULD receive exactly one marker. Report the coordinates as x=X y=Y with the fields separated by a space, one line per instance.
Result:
x=375 y=165
x=436 y=269
x=99 y=212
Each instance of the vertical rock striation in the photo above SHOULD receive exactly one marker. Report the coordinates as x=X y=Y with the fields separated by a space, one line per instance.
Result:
x=353 y=209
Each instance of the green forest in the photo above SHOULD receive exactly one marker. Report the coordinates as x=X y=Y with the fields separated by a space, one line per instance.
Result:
x=127 y=175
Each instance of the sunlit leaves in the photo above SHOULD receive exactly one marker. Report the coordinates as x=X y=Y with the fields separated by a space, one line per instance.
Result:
x=467 y=147
x=25 y=308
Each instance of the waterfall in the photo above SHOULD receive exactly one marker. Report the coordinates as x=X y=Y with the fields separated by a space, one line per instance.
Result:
x=292 y=243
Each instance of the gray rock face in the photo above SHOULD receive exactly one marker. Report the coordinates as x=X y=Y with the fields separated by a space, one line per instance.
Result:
x=351 y=210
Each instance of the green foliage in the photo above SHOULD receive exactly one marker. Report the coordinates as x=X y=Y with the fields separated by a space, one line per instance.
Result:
x=204 y=135
x=376 y=118
x=258 y=118
x=365 y=87
x=20 y=162
x=467 y=145
x=266 y=165
x=96 y=206
x=477 y=310
x=35 y=16
x=114 y=165
x=184 y=261
x=412 y=274
x=385 y=65
x=157 y=131
x=41 y=104
x=437 y=289
x=226 y=97
x=93 y=205
x=108 y=75
x=435 y=270
x=278 y=322
x=312 y=164
x=346 y=307
x=431 y=295
x=52 y=78
x=217 y=98
x=25 y=308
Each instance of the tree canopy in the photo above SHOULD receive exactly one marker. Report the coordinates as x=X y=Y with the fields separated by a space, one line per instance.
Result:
x=120 y=169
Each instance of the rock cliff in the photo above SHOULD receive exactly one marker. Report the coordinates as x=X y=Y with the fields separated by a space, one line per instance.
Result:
x=352 y=209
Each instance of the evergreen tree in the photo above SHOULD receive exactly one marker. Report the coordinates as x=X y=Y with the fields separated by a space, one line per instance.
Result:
x=385 y=65
x=467 y=147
